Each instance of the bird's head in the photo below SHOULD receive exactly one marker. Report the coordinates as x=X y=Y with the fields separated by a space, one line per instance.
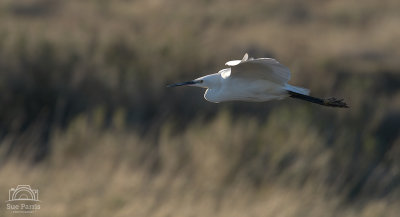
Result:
x=203 y=82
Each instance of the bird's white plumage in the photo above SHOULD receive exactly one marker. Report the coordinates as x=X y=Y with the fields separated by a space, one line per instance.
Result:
x=248 y=79
x=236 y=62
x=261 y=68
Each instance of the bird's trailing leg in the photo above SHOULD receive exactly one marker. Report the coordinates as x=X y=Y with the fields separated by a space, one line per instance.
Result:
x=332 y=102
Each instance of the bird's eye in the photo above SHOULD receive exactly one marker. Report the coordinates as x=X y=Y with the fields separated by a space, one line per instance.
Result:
x=201 y=81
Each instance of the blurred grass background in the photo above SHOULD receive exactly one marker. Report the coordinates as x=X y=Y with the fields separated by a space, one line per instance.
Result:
x=85 y=116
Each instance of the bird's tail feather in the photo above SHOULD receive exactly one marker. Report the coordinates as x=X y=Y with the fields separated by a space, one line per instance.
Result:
x=332 y=102
x=299 y=90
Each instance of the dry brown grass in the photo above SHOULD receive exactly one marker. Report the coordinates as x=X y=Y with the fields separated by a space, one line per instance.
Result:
x=92 y=172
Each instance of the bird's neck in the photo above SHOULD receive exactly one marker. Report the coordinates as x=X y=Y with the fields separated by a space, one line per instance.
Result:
x=213 y=81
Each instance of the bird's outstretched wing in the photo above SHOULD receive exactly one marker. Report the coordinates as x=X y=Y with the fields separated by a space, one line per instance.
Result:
x=236 y=62
x=261 y=68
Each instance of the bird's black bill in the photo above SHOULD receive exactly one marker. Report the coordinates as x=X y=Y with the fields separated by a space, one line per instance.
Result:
x=183 y=83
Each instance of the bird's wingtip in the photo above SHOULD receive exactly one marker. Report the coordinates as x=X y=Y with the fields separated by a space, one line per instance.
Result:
x=245 y=57
x=237 y=62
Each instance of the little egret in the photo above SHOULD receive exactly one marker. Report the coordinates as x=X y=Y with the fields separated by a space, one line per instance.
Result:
x=254 y=80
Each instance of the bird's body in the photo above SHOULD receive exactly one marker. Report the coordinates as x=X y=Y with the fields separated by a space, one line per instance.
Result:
x=242 y=89
x=253 y=80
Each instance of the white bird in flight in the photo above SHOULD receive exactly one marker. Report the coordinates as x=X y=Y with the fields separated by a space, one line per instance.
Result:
x=254 y=80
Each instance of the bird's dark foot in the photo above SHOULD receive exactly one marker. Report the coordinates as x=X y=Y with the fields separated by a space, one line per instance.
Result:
x=333 y=102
